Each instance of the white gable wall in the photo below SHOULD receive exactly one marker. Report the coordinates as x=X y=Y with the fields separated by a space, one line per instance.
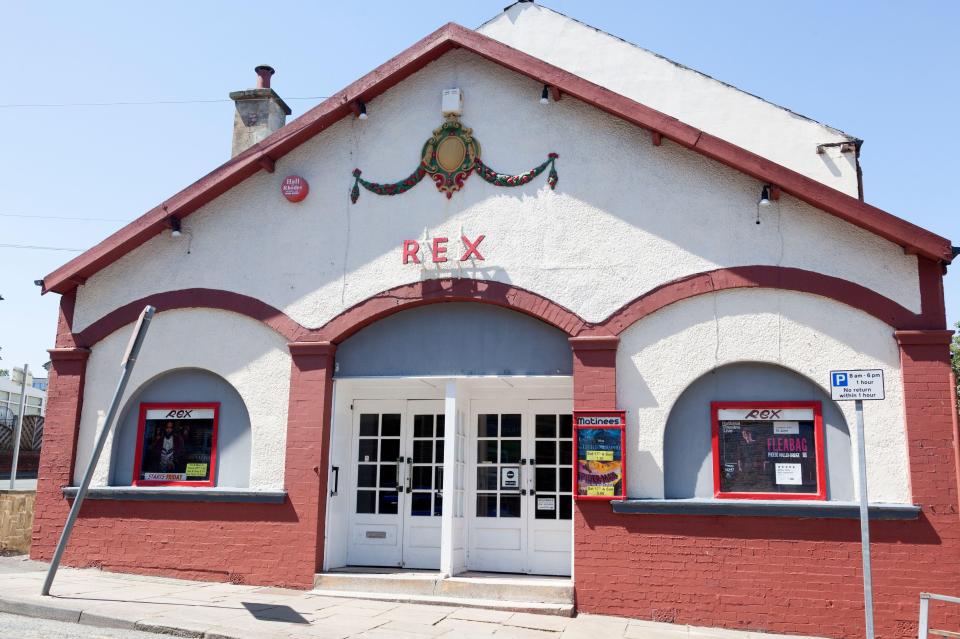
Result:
x=696 y=99
x=626 y=216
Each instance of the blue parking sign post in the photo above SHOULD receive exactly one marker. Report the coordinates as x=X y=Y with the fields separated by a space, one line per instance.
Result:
x=857 y=386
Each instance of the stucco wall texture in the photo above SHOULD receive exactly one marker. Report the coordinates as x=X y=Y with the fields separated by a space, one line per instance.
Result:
x=688 y=95
x=626 y=216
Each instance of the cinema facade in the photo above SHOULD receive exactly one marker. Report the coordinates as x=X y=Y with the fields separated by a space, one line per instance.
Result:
x=586 y=333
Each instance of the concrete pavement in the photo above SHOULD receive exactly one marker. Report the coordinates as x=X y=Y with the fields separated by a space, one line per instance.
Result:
x=227 y=611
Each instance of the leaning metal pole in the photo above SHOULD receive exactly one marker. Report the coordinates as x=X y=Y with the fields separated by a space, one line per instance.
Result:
x=129 y=359
x=18 y=431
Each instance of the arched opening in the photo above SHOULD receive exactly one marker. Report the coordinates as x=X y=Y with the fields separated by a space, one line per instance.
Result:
x=184 y=386
x=458 y=410
x=455 y=338
x=687 y=457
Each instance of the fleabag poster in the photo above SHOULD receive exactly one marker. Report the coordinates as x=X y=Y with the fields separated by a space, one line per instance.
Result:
x=600 y=454
x=178 y=443
x=768 y=451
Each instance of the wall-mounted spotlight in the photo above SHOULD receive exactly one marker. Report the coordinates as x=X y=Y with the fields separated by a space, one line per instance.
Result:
x=362 y=110
x=764 y=196
x=174 y=222
x=545 y=95
x=38 y=283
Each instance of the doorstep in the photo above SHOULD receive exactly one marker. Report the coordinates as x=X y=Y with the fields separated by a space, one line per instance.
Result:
x=497 y=591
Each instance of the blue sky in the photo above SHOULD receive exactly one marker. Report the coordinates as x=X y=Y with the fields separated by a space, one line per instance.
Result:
x=882 y=71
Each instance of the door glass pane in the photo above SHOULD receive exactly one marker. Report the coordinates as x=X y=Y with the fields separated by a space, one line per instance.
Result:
x=388 y=476
x=390 y=426
x=440 y=421
x=368 y=450
x=546 y=426
x=546 y=480
x=546 y=507
x=509 y=505
x=486 y=426
x=510 y=425
x=566 y=507
x=388 y=502
x=510 y=451
x=486 y=505
x=368 y=424
x=421 y=477
x=367 y=475
x=566 y=481
x=420 y=505
x=423 y=425
x=389 y=450
x=486 y=452
x=566 y=452
x=566 y=426
x=423 y=451
x=365 y=501
x=487 y=478
x=546 y=452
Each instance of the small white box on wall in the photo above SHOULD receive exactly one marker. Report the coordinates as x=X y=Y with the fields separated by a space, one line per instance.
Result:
x=451 y=102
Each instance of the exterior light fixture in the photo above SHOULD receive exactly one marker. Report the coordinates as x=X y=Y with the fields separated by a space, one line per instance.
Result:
x=545 y=95
x=765 y=196
x=363 y=110
x=174 y=226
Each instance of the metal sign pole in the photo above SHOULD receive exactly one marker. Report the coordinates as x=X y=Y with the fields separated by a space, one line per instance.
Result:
x=129 y=359
x=18 y=430
x=864 y=522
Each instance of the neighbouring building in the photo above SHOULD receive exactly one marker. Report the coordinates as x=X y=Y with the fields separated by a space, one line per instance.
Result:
x=31 y=435
x=399 y=331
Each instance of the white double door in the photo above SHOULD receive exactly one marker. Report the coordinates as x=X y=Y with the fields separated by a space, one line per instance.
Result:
x=397 y=481
x=518 y=467
x=520 y=483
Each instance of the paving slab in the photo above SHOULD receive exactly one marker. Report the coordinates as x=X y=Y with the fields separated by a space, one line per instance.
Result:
x=225 y=611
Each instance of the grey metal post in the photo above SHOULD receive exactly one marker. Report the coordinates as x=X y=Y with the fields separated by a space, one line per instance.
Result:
x=18 y=430
x=864 y=522
x=129 y=359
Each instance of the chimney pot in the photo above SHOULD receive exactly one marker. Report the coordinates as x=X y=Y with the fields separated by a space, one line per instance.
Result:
x=264 y=72
x=259 y=112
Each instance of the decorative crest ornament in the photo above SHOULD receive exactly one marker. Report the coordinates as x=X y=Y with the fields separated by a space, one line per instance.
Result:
x=449 y=156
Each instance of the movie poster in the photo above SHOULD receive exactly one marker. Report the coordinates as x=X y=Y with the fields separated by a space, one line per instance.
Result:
x=768 y=455
x=177 y=444
x=600 y=462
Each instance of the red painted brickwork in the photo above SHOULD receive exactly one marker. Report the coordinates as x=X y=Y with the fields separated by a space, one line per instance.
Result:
x=594 y=371
x=790 y=575
x=273 y=544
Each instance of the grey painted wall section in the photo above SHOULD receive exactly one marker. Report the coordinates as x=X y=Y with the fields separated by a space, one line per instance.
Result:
x=456 y=338
x=687 y=455
x=189 y=385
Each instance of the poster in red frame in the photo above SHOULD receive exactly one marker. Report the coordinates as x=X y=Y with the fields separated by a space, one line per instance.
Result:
x=599 y=445
x=768 y=450
x=177 y=444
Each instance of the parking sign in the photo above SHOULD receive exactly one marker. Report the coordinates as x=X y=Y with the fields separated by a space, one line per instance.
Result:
x=857 y=385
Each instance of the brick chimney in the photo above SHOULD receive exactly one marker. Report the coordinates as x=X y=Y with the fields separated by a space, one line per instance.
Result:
x=260 y=112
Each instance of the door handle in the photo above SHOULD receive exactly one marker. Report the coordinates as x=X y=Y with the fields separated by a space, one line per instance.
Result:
x=408 y=473
x=399 y=474
x=336 y=480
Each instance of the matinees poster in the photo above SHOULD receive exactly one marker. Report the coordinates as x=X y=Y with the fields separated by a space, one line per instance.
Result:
x=599 y=455
x=177 y=445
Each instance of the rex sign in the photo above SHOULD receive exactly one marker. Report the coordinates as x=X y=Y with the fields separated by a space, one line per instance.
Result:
x=439 y=250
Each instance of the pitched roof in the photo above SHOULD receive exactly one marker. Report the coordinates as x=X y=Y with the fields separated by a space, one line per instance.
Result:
x=452 y=36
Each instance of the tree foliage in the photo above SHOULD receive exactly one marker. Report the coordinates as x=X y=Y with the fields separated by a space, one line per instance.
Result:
x=955 y=358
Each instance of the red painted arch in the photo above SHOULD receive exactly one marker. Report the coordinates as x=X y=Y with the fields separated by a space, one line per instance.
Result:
x=409 y=296
x=777 y=277
x=193 y=298
x=451 y=290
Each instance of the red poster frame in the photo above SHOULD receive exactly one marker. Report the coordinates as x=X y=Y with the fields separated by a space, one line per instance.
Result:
x=820 y=495
x=623 y=452
x=141 y=426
